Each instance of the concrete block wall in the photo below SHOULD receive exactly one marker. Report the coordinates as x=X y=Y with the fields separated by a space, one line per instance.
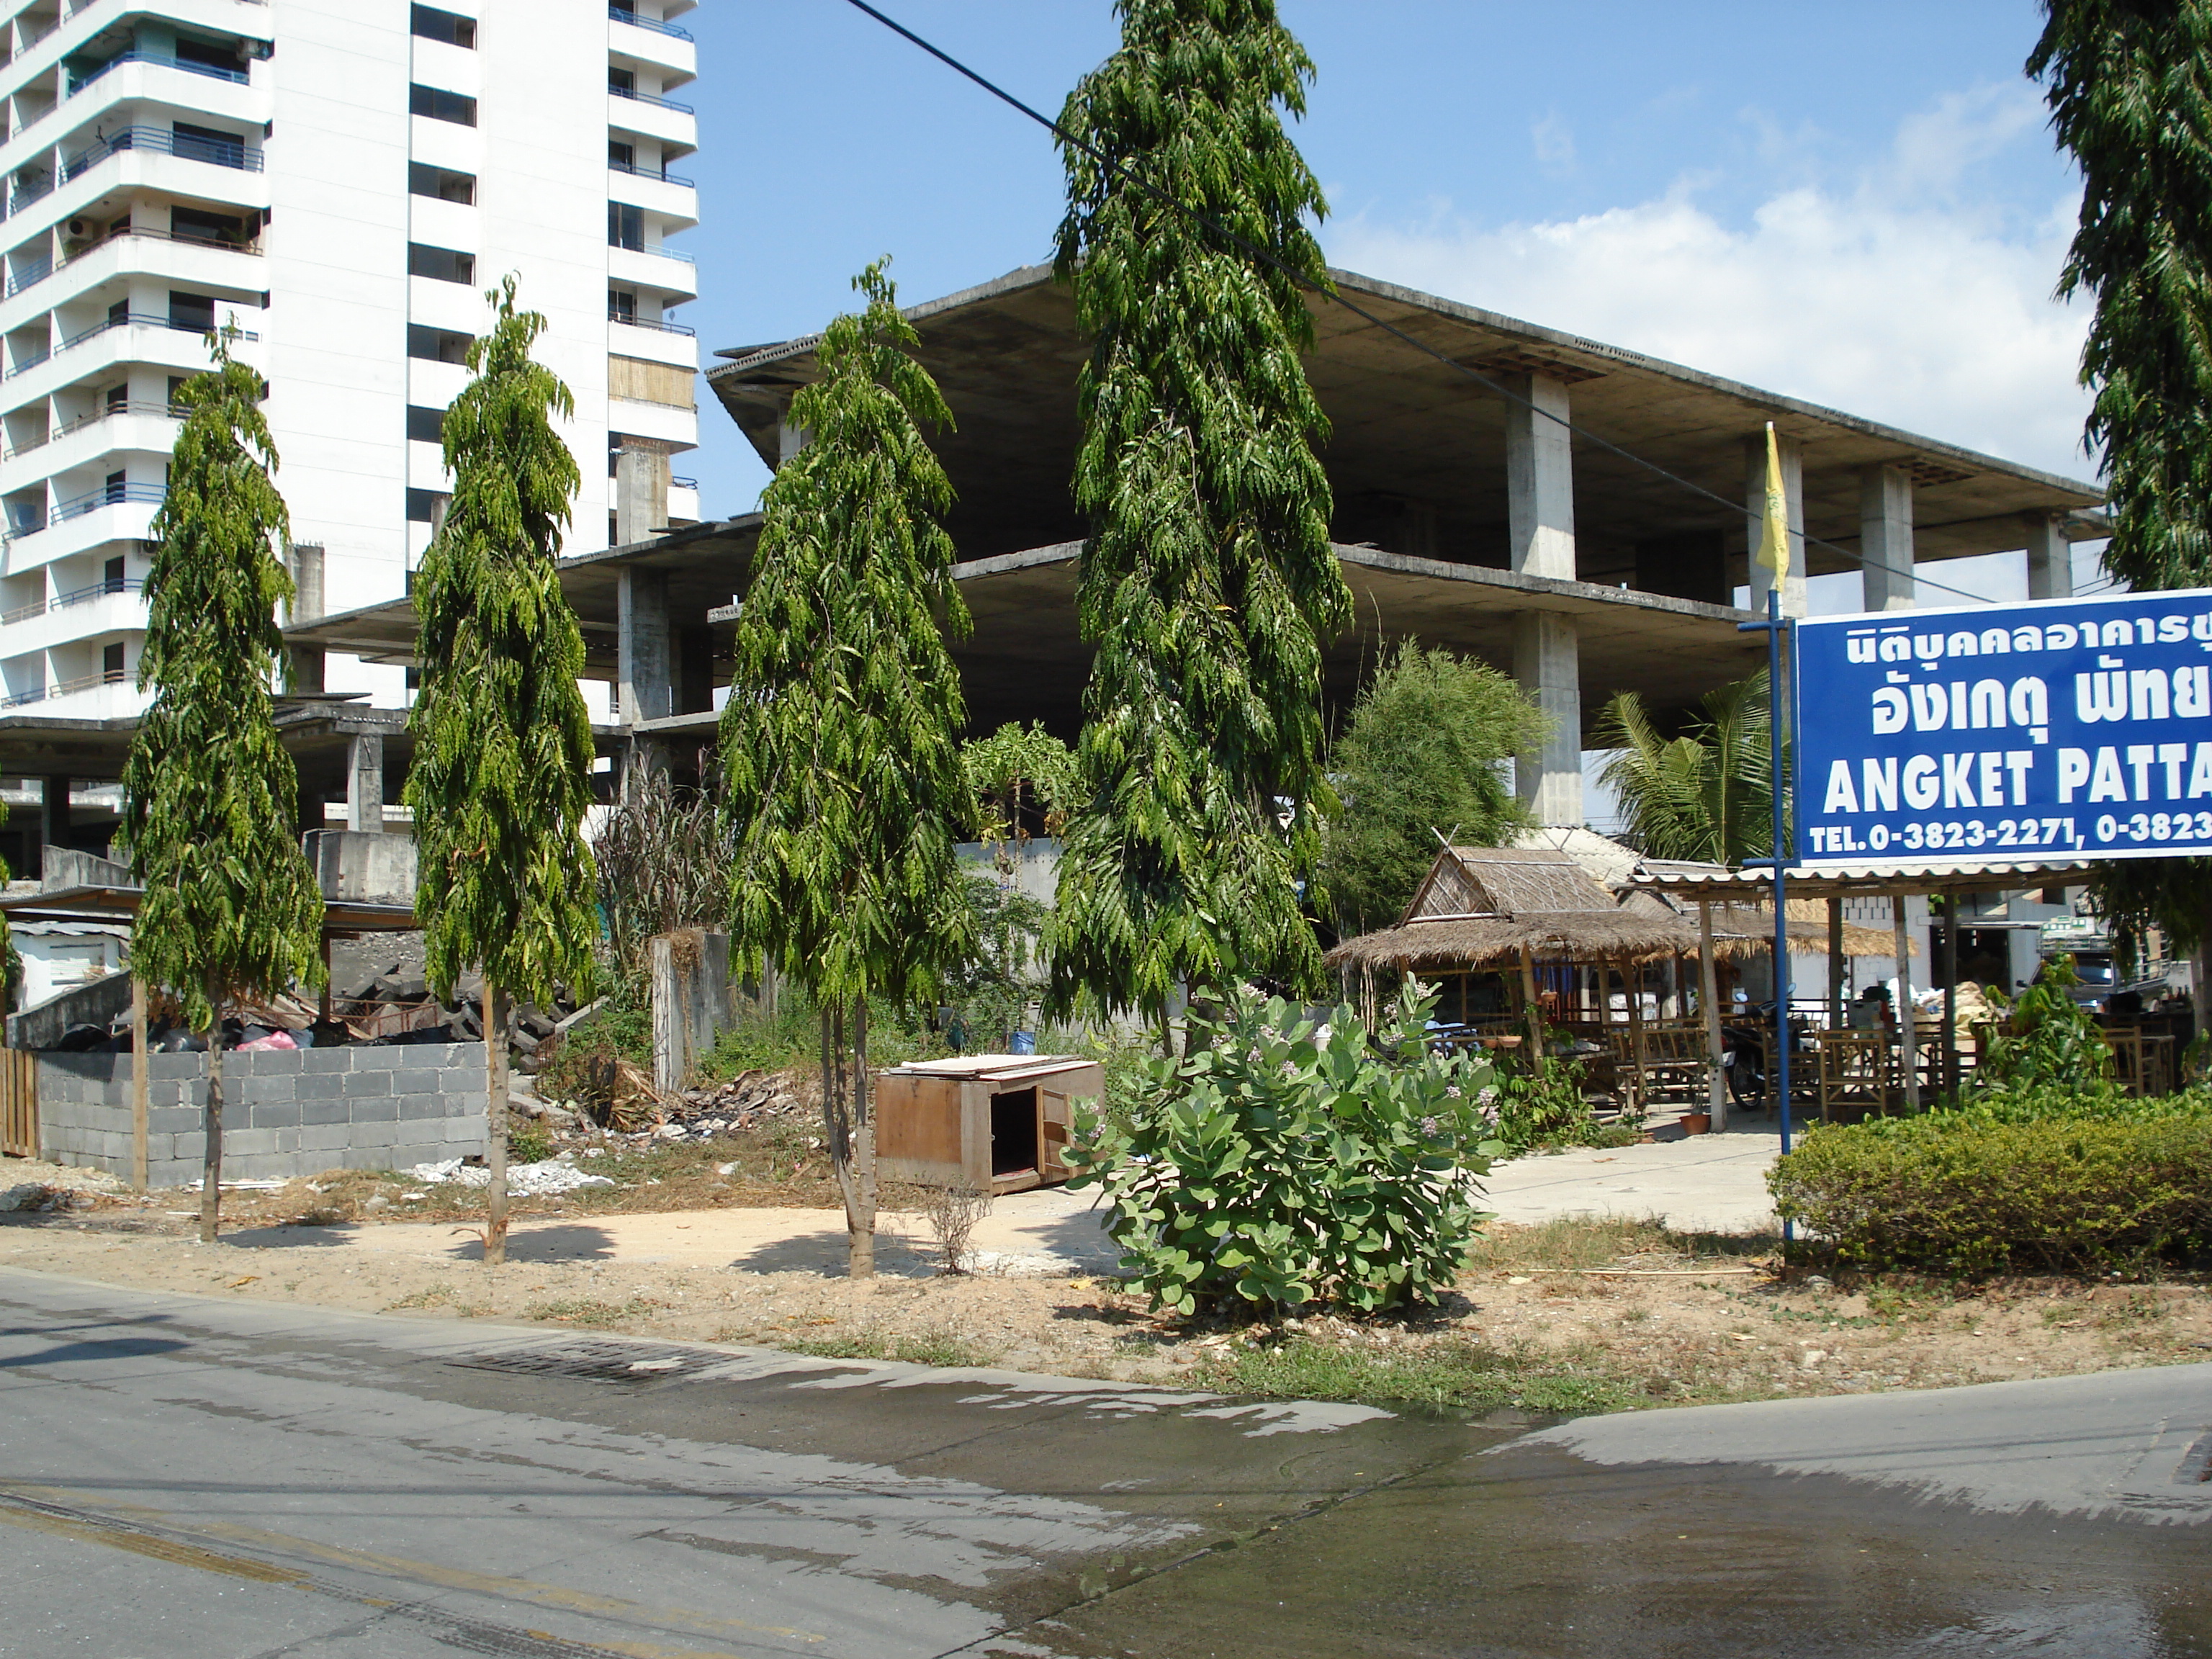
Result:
x=285 y=1112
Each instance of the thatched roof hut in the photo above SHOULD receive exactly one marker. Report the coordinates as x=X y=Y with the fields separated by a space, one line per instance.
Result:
x=1492 y=907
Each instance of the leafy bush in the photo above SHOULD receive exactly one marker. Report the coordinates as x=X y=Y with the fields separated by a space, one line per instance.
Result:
x=1545 y=1108
x=528 y=1143
x=2049 y=1040
x=2015 y=1180
x=1285 y=1163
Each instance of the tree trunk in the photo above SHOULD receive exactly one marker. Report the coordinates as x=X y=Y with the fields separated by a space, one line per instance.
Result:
x=211 y=1176
x=860 y=1207
x=835 y=1129
x=495 y=1037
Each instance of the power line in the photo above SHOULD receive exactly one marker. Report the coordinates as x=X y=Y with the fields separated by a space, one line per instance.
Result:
x=1399 y=334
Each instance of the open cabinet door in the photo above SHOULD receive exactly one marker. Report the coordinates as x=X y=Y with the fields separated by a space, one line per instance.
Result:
x=1051 y=1135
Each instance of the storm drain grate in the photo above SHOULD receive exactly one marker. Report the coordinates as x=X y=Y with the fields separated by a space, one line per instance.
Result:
x=596 y=1362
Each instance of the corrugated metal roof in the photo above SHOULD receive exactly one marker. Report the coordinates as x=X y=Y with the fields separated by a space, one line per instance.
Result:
x=1958 y=875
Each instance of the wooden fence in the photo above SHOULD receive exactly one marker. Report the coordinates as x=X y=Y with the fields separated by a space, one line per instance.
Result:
x=19 y=1102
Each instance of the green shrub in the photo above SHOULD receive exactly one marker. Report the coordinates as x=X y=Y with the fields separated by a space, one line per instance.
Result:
x=2009 y=1183
x=1285 y=1162
x=2049 y=1040
x=528 y=1142
x=1546 y=1108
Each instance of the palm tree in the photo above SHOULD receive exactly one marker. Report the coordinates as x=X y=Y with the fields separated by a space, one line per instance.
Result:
x=1707 y=795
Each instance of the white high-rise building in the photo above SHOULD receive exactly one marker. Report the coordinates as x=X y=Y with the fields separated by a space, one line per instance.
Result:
x=344 y=178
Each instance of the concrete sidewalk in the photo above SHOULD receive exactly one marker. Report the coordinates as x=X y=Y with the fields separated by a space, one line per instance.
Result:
x=1699 y=1184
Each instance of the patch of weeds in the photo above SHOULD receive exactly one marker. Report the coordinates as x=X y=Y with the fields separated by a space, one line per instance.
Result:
x=930 y=1348
x=1469 y=1374
x=1609 y=1241
x=430 y=1296
x=1904 y=1304
x=595 y=1315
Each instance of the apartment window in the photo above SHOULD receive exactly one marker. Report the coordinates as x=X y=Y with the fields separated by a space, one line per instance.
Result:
x=119 y=313
x=111 y=575
x=625 y=226
x=117 y=488
x=210 y=144
x=440 y=264
x=425 y=426
x=198 y=225
x=449 y=26
x=193 y=312
x=622 y=156
x=441 y=105
x=118 y=398
x=177 y=384
x=423 y=505
x=436 y=345
x=208 y=55
x=111 y=663
x=441 y=184
x=621 y=81
x=622 y=305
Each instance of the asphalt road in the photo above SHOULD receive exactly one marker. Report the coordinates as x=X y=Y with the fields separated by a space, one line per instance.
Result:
x=190 y=1478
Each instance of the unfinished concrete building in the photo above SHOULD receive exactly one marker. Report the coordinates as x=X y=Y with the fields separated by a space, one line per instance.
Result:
x=1463 y=519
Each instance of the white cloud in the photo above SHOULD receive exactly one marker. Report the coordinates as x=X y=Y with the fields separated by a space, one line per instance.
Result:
x=1553 y=140
x=1896 y=294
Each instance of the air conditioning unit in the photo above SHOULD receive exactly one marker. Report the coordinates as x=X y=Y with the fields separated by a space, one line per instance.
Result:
x=79 y=228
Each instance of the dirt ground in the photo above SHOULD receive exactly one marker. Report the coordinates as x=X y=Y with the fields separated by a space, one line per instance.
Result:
x=1569 y=1315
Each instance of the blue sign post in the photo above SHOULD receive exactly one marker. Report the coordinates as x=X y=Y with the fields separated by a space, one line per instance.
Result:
x=2053 y=730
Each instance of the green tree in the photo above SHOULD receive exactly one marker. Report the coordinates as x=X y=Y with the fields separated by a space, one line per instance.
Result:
x=1019 y=769
x=1421 y=755
x=1707 y=795
x=211 y=801
x=2129 y=86
x=502 y=771
x=843 y=780
x=1208 y=583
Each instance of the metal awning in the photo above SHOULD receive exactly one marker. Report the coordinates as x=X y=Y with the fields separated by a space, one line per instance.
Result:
x=1720 y=885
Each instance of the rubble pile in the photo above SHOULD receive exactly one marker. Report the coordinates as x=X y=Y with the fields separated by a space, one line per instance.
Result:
x=746 y=1101
x=555 y=1174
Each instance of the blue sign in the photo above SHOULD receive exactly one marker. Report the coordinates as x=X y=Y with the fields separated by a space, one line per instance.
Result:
x=2058 y=729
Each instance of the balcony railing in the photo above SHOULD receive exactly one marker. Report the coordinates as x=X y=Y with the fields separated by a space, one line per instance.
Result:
x=623 y=14
x=216 y=152
x=65 y=688
x=658 y=326
x=181 y=325
x=662 y=173
x=653 y=99
x=99 y=590
x=664 y=252
x=114 y=494
x=78 y=83
x=31 y=275
x=110 y=411
x=27 y=190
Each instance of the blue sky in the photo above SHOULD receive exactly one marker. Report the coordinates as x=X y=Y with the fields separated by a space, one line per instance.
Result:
x=1857 y=203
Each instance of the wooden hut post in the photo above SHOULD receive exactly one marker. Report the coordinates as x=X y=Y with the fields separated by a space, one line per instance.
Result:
x=1709 y=995
x=1634 y=987
x=1951 y=992
x=1910 y=1044
x=1835 y=964
x=1534 y=1010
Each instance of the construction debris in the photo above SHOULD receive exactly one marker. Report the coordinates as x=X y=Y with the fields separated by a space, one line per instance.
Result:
x=523 y=1179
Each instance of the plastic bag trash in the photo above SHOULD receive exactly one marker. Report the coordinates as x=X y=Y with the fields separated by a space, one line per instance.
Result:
x=274 y=1040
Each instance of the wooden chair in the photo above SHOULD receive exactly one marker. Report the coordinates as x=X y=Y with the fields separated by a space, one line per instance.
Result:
x=1858 y=1074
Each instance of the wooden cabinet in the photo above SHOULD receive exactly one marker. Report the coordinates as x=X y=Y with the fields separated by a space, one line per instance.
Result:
x=995 y=1123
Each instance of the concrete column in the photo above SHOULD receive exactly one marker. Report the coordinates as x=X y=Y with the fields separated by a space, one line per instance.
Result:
x=2050 y=559
x=1547 y=662
x=307 y=581
x=1885 y=538
x=1540 y=480
x=365 y=782
x=640 y=494
x=1754 y=498
x=54 y=814
x=646 y=650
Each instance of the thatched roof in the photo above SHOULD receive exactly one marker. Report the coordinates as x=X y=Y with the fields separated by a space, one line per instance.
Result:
x=1483 y=942
x=1481 y=907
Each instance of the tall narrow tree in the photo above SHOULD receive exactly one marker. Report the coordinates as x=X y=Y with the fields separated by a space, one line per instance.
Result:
x=502 y=771
x=1208 y=583
x=2129 y=86
x=211 y=801
x=843 y=780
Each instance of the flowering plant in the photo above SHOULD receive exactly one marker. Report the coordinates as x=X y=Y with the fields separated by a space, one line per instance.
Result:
x=1285 y=1161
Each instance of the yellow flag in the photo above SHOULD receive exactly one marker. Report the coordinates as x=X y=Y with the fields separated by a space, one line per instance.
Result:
x=1774 y=536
